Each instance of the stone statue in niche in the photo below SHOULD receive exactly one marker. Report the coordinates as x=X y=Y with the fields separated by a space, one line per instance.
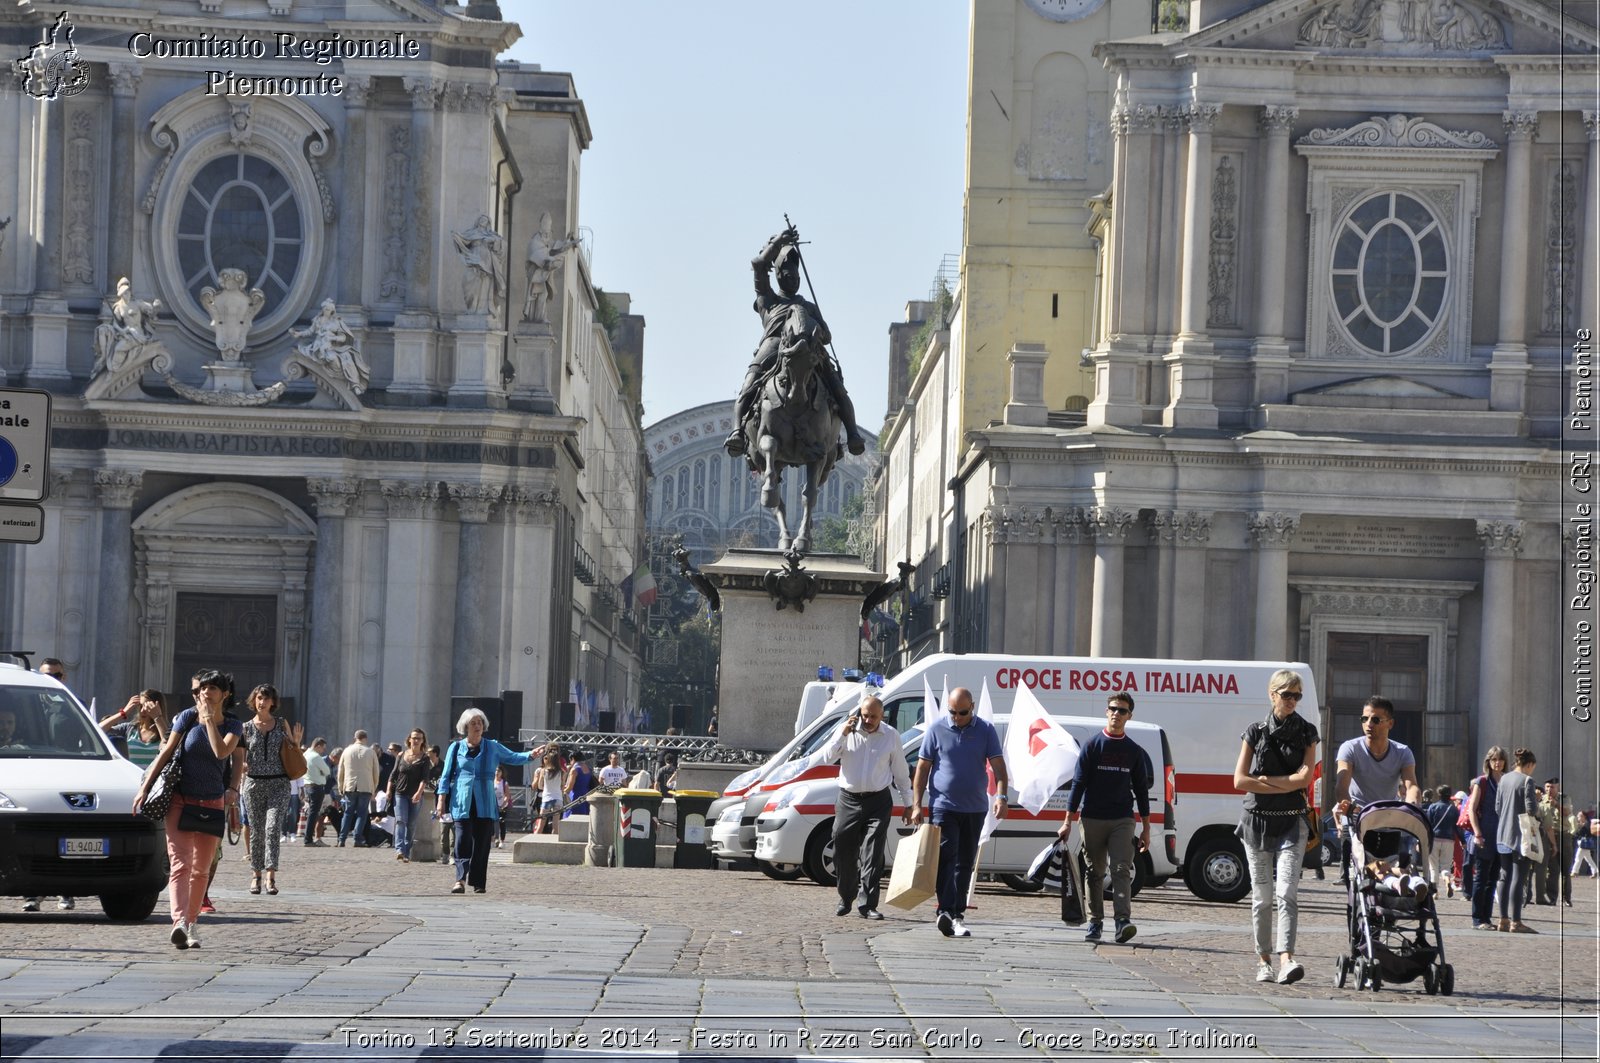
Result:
x=484 y=282
x=232 y=311
x=126 y=330
x=544 y=259
x=329 y=342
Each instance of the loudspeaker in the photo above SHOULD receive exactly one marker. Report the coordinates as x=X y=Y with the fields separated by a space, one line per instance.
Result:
x=679 y=717
x=510 y=721
x=563 y=715
x=608 y=723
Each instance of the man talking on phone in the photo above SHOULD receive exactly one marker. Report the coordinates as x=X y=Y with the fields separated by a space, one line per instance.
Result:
x=870 y=762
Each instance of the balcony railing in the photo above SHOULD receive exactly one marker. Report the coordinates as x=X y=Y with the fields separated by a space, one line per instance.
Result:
x=583 y=566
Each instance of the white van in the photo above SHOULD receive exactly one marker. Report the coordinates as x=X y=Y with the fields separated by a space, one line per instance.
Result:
x=67 y=827
x=796 y=823
x=1203 y=706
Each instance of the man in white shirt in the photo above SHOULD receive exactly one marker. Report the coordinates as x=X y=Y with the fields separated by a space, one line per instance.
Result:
x=613 y=774
x=870 y=761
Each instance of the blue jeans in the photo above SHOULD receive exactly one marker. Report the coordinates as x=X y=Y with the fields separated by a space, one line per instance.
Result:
x=356 y=808
x=958 y=853
x=1485 y=876
x=405 y=821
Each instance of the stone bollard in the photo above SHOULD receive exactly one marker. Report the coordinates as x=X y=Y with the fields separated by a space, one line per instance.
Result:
x=602 y=830
x=425 y=835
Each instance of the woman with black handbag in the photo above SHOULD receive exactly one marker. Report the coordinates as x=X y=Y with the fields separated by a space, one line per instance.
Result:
x=203 y=741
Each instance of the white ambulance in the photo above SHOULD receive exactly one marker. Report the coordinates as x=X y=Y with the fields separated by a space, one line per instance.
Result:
x=1203 y=707
x=796 y=824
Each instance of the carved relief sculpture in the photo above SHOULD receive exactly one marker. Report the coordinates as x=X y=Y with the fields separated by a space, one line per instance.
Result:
x=79 y=234
x=484 y=281
x=1224 y=243
x=395 y=167
x=544 y=259
x=1561 y=242
x=125 y=332
x=329 y=342
x=1403 y=25
x=232 y=310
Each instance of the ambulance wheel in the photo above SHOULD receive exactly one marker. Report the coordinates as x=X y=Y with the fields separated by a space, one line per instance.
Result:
x=819 y=855
x=1447 y=979
x=1216 y=870
x=781 y=872
x=1341 y=971
x=1022 y=883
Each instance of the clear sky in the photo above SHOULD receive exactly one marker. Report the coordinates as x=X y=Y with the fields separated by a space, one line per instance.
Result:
x=712 y=118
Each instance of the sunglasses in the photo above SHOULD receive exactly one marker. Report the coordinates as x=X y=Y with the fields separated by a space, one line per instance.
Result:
x=1290 y=695
x=961 y=712
x=1375 y=719
x=1119 y=710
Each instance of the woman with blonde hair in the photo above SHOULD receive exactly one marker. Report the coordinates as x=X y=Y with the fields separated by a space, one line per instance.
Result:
x=467 y=794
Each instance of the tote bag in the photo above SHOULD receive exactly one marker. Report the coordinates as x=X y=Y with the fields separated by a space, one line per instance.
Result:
x=916 y=869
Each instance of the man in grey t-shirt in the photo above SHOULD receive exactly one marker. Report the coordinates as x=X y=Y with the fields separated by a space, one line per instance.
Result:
x=1373 y=768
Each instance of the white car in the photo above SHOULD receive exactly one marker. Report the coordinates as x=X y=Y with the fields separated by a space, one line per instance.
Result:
x=67 y=827
x=796 y=824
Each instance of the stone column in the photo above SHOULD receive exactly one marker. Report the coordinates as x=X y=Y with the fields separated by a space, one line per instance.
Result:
x=124 y=215
x=1502 y=541
x=1065 y=585
x=353 y=197
x=331 y=653
x=1180 y=537
x=1588 y=280
x=1190 y=364
x=1508 y=365
x=1269 y=354
x=113 y=642
x=1110 y=527
x=425 y=94
x=1116 y=365
x=1272 y=533
x=472 y=672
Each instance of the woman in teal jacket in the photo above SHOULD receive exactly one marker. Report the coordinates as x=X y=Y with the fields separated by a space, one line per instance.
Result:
x=466 y=792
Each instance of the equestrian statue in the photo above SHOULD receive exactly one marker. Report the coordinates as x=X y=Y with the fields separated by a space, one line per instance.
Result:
x=792 y=404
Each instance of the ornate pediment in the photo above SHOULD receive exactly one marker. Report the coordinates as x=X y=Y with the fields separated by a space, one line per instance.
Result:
x=1397 y=131
x=1402 y=28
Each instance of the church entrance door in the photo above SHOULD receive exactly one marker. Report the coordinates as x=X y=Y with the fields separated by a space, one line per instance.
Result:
x=235 y=633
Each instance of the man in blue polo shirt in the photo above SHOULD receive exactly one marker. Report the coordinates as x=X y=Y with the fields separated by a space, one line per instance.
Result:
x=954 y=753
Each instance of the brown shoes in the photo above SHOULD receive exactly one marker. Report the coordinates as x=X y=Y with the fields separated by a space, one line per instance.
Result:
x=1520 y=927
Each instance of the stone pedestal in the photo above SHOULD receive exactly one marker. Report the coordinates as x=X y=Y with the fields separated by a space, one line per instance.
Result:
x=229 y=376
x=769 y=654
x=480 y=355
x=49 y=357
x=425 y=834
x=533 y=351
x=414 y=341
x=602 y=830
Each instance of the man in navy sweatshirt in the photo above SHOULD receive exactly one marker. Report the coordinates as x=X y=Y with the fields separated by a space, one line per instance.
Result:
x=1114 y=774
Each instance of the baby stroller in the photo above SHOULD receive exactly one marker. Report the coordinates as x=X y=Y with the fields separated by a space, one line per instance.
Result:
x=1394 y=925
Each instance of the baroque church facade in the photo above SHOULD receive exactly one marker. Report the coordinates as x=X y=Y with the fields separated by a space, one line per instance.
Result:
x=1343 y=256
x=332 y=405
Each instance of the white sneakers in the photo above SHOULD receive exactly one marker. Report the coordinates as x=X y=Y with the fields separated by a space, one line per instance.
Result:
x=1264 y=972
x=180 y=935
x=959 y=929
x=1292 y=972
x=66 y=904
x=194 y=935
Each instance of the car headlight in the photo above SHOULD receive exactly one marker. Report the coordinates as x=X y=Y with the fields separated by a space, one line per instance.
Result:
x=730 y=814
x=787 y=798
x=8 y=805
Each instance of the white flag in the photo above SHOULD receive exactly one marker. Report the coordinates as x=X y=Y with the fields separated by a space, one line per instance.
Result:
x=930 y=711
x=1039 y=752
x=986 y=712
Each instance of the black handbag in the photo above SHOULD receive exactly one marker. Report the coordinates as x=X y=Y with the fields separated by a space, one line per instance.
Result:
x=203 y=820
x=158 y=798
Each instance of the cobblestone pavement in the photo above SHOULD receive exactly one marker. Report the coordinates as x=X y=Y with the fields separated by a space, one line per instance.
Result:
x=733 y=964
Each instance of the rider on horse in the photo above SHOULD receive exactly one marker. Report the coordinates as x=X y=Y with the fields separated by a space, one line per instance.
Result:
x=783 y=253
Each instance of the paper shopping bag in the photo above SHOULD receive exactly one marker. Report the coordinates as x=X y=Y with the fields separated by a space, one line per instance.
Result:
x=916 y=869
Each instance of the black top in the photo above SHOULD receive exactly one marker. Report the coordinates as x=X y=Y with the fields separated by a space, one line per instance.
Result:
x=1280 y=749
x=408 y=774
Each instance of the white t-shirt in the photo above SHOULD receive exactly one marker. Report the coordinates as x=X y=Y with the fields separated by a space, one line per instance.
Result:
x=611 y=775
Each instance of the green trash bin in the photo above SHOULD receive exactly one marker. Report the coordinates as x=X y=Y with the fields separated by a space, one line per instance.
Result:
x=694 y=840
x=636 y=828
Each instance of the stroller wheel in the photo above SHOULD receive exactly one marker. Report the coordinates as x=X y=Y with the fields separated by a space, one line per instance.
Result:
x=1447 y=979
x=1429 y=982
x=1341 y=971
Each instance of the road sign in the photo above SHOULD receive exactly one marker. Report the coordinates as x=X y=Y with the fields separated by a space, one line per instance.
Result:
x=24 y=446
x=21 y=523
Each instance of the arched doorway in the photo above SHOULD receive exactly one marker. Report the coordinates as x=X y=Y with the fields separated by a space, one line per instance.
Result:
x=220 y=576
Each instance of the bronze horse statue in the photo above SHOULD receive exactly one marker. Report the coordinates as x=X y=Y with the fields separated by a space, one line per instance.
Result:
x=796 y=425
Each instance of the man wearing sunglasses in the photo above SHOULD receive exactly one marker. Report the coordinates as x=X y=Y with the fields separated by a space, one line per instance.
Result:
x=1114 y=775
x=1372 y=768
x=955 y=753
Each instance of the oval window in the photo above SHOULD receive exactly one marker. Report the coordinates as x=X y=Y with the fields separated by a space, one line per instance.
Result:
x=1389 y=273
x=239 y=212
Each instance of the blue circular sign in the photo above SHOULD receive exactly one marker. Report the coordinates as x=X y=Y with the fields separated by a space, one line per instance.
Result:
x=8 y=461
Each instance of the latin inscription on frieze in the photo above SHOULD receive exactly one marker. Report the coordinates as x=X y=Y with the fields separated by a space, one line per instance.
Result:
x=1386 y=538
x=232 y=445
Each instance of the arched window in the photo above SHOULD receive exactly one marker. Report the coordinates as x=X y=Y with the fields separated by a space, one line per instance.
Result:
x=683 y=489
x=718 y=470
x=666 y=493
x=700 y=484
